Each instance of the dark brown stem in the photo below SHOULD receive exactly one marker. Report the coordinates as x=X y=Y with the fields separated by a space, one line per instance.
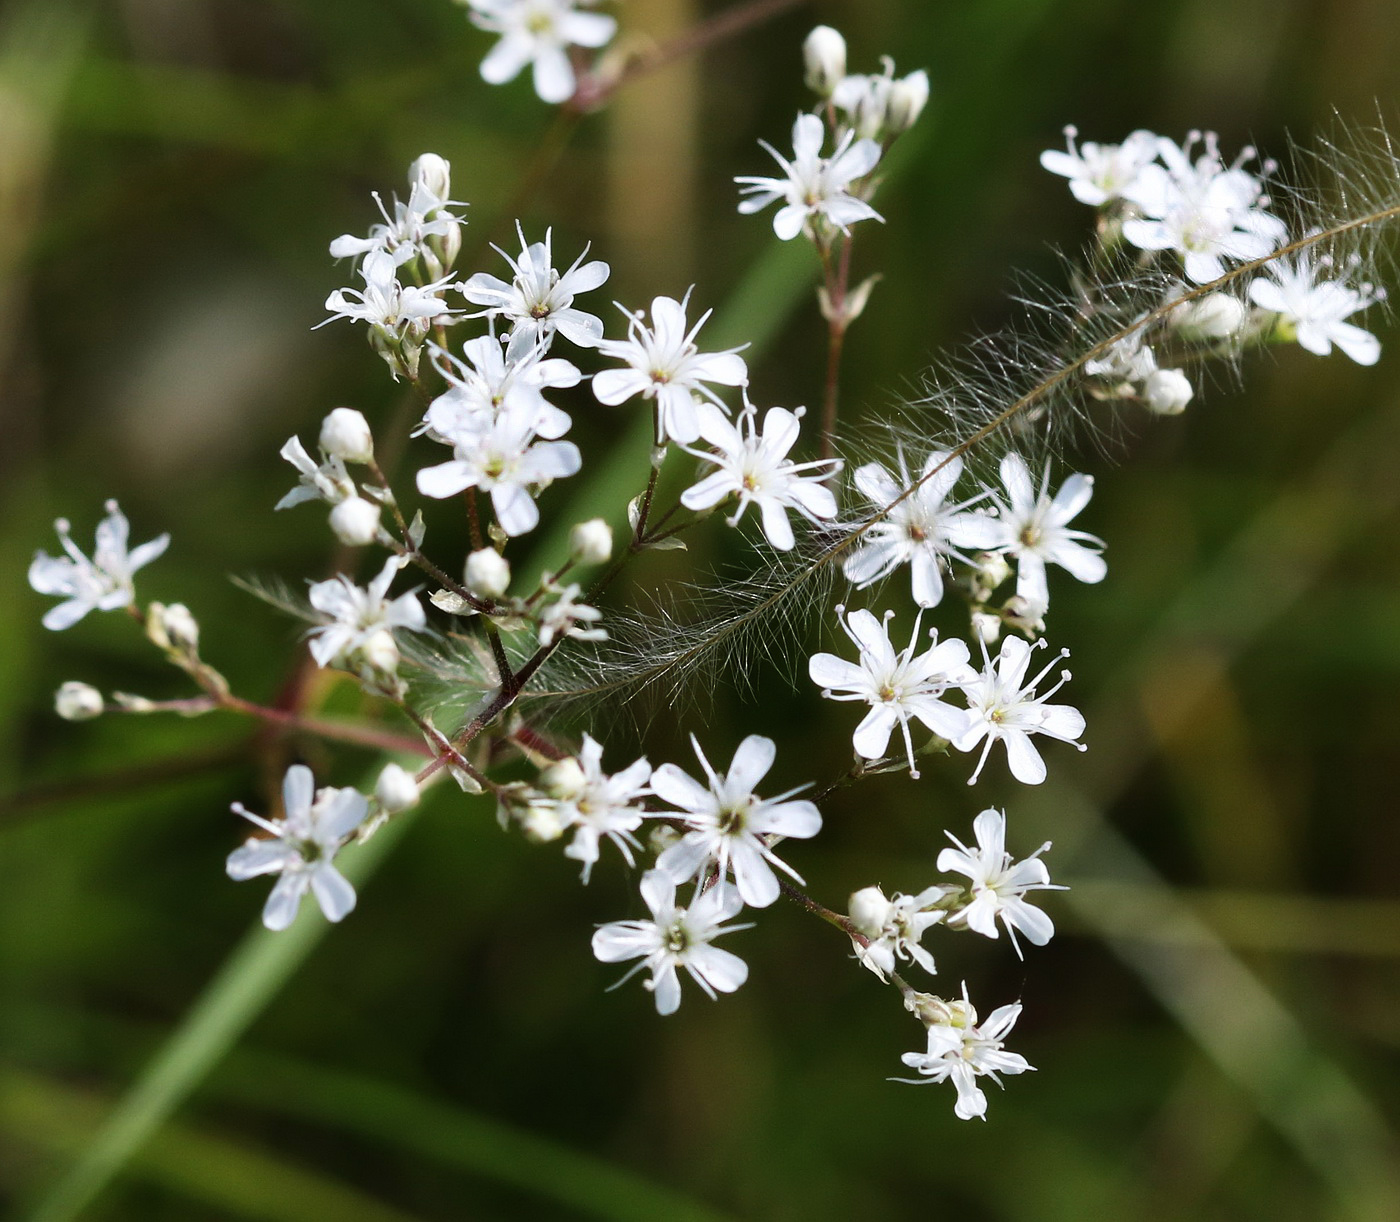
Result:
x=474 y=521
x=837 y=284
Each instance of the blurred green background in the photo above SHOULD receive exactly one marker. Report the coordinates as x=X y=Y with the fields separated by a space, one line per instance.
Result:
x=1216 y=1027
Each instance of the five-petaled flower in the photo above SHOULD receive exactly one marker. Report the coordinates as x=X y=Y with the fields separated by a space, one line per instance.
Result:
x=301 y=848
x=599 y=805
x=538 y=32
x=1100 y=173
x=1313 y=310
x=361 y=623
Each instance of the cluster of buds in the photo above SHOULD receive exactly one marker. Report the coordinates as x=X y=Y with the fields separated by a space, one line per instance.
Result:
x=876 y=107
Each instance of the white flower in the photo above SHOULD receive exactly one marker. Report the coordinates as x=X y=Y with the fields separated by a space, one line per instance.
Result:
x=894 y=927
x=676 y=937
x=591 y=542
x=488 y=382
x=539 y=300
x=1035 y=530
x=1314 y=311
x=1003 y=706
x=1128 y=360
x=1167 y=392
x=961 y=1050
x=314 y=826
x=1101 y=173
x=76 y=701
x=920 y=530
x=1214 y=316
x=998 y=884
x=729 y=824
x=897 y=686
x=103 y=583
x=824 y=59
x=664 y=364
x=880 y=107
x=599 y=805
x=813 y=186
x=397 y=310
x=754 y=466
x=487 y=573
x=506 y=461
x=1204 y=210
x=538 y=32
x=355 y=521
x=396 y=789
x=328 y=481
x=907 y=99
x=406 y=233
x=565 y=617
x=345 y=434
x=356 y=617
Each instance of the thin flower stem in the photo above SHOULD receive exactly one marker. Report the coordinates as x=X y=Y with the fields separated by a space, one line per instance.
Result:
x=474 y=521
x=837 y=284
x=644 y=509
x=363 y=736
x=831 y=918
x=382 y=481
x=498 y=650
x=444 y=746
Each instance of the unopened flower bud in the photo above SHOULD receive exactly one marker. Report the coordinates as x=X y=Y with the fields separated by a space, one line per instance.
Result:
x=869 y=910
x=661 y=837
x=180 y=627
x=541 y=823
x=563 y=780
x=355 y=521
x=345 y=435
x=1167 y=392
x=591 y=542
x=381 y=652
x=396 y=789
x=986 y=627
x=824 y=55
x=434 y=173
x=76 y=701
x=487 y=573
x=1214 y=316
x=908 y=97
x=992 y=569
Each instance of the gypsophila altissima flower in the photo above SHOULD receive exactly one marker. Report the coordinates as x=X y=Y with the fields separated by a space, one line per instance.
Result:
x=301 y=848
x=1101 y=173
x=596 y=805
x=76 y=701
x=360 y=623
x=485 y=383
x=921 y=530
x=104 y=583
x=1003 y=707
x=1035 y=529
x=893 y=927
x=539 y=301
x=753 y=465
x=506 y=460
x=566 y=617
x=997 y=885
x=399 y=315
x=813 y=187
x=677 y=937
x=664 y=364
x=961 y=1050
x=899 y=687
x=325 y=481
x=538 y=33
x=878 y=107
x=729 y=826
x=1313 y=310
x=1204 y=210
x=424 y=227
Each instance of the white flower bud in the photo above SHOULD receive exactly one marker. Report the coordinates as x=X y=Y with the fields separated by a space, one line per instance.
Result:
x=1214 y=316
x=434 y=173
x=180 y=627
x=345 y=435
x=661 y=837
x=869 y=910
x=355 y=521
x=76 y=701
x=563 y=780
x=381 y=652
x=824 y=54
x=908 y=97
x=541 y=823
x=591 y=542
x=986 y=627
x=1167 y=392
x=488 y=573
x=396 y=789
x=992 y=569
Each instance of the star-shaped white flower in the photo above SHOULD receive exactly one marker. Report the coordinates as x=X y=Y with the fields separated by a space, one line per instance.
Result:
x=664 y=364
x=921 y=531
x=753 y=465
x=893 y=928
x=813 y=186
x=506 y=461
x=1204 y=210
x=899 y=687
x=567 y=617
x=486 y=382
x=540 y=300
x=1035 y=529
x=356 y=618
x=998 y=885
x=325 y=481
x=405 y=231
x=384 y=303
x=1101 y=173
x=302 y=848
x=1315 y=310
x=960 y=1050
x=1003 y=707
x=603 y=806
x=538 y=32
x=103 y=583
x=676 y=937
x=729 y=825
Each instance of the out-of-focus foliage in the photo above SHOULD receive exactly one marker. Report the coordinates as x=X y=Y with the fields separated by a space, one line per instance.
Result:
x=1216 y=1027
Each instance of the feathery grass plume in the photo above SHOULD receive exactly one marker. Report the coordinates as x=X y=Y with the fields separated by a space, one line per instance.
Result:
x=1031 y=386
